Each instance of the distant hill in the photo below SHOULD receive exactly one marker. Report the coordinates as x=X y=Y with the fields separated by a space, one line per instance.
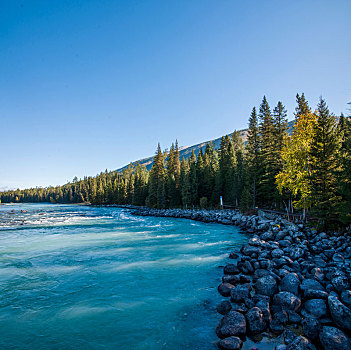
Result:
x=185 y=152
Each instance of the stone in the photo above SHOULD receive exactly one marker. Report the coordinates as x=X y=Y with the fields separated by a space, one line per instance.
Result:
x=232 y=324
x=311 y=327
x=224 y=307
x=287 y=301
x=296 y=253
x=240 y=292
x=340 y=313
x=315 y=307
x=315 y=294
x=276 y=326
x=224 y=289
x=231 y=269
x=264 y=306
x=233 y=255
x=290 y=283
x=255 y=320
x=232 y=279
x=277 y=253
x=346 y=297
x=266 y=286
x=334 y=339
x=230 y=343
x=294 y=317
x=301 y=343
x=340 y=283
x=310 y=284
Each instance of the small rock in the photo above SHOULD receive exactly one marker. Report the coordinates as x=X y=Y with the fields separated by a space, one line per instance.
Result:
x=287 y=301
x=224 y=307
x=346 y=298
x=301 y=343
x=311 y=327
x=230 y=343
x=316 y=308
x=231 y=269
x=225 y=288
x=310 y=284
x=290 y=283
x=266 y=286
x=240 y=292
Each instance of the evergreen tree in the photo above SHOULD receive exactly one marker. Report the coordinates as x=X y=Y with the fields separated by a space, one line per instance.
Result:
x=302 y=106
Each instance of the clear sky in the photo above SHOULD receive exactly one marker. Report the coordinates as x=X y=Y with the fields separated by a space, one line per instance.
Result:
x=94 y=84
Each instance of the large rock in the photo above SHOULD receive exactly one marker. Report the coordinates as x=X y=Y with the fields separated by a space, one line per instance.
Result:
x=334 y=339
x=290 y=283
x=240 y=292
x=287 y=301
x=340 y=313
x=311 y=284
x=255 y=320
x=316 y=308
x=266 y=286
x=231 y=269
x=301 y=343
x=311 y=327
x=230 y=343
x=225 y=288
x=232 y=324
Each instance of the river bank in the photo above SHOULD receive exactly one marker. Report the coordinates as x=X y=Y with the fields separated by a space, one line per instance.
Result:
x=288 y=282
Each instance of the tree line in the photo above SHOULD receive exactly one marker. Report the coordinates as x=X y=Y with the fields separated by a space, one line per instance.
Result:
x=307 y=168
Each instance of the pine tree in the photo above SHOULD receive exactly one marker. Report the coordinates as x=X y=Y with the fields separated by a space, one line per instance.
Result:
x=302 y=106
x=253 y=157
x=193 y=180
x=184 y=184
x=324 y=166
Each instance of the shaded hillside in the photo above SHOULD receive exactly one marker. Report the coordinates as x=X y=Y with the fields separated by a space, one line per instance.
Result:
x=185 y=152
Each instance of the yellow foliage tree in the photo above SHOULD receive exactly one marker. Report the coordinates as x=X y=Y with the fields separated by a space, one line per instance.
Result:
x=296 y=161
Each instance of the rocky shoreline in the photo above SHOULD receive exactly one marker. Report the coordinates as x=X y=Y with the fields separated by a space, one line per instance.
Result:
x=288 y=282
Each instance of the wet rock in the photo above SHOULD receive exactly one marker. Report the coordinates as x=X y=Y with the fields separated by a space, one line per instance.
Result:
x=266 y=286
x=301 y=343
x=287 y=301
x=315 y=307
x=232 y=324
x=311 y=327
x=240 y=292
x=340 y=313
x=232 y=279
x=231 y=269
x=255 y=320
x=230 y=343
x=225 y=288
x=290 y=283
x=224 y=307
x=334 y=339
x=233 y=255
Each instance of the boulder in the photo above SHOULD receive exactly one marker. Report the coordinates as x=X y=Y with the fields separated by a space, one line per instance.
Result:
x=334 y=339
x=231 y=269
x=225 y=288
x=340 y=283
x=230 y=343
x=340 y=313
x=301 y=343
x=255 y=320
x=290 y=283
x=316 y=308
x=346 y=297
x=266 y=286
x=287 y=301
x=311 y=327
x=224 y=307
x=232 y=324
x=240 y=292
x=311 y=284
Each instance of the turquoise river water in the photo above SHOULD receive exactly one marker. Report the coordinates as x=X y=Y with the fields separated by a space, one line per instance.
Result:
x=77 y=277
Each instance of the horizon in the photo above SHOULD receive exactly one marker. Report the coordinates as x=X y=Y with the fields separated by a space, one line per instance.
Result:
x=95 y=85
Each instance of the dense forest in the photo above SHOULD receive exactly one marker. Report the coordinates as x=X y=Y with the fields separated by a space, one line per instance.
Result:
x=308 y=169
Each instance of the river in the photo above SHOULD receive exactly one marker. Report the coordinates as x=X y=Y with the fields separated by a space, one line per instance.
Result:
x=79 y=277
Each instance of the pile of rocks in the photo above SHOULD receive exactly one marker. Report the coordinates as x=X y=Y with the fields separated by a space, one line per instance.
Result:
x=288 y=282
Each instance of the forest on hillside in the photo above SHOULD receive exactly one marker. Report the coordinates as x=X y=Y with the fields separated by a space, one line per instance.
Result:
x=308 y=169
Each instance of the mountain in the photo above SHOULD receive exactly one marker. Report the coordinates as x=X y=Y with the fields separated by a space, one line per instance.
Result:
x=185 y=152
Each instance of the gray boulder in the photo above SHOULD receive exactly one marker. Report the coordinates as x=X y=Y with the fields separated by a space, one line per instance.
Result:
x=287 y=301
x=266 y=286
x=232 y=324
x=315 y=307
x=255 y=320
x=240 y=292
x=290 y=283
x=334 y=339
x=340 y=313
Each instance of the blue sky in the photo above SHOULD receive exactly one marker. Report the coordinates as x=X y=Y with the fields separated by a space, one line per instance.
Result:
x=94 y=84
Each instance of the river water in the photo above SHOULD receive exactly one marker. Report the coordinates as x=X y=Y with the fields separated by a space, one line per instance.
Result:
x=77 y=277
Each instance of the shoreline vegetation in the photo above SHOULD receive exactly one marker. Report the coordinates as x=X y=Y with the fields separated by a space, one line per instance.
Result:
x=288 y=283
x=307 y=168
